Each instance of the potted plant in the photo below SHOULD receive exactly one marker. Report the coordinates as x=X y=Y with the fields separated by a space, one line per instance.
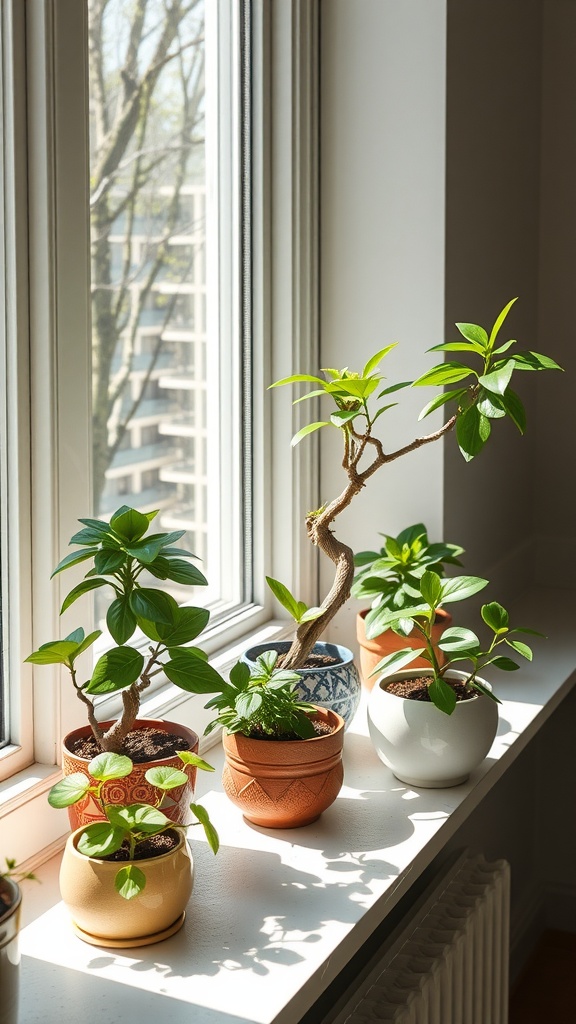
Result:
x=389 y=579
x=10 y=902
x=126 y=879
x=480 y=394
x=283 y=755
x=117 y=554
x=433 y=726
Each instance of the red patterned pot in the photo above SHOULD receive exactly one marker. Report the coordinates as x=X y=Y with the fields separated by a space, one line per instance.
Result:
x=372 y=651
x=134 y=788
x=285 y=783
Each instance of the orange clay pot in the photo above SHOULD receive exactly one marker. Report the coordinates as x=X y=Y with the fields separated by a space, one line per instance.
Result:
x=134 y=788
x=285 y=783
x=102 y=917
x=372 y=651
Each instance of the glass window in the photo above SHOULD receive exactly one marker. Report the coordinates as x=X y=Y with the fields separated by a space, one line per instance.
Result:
x=166 y=334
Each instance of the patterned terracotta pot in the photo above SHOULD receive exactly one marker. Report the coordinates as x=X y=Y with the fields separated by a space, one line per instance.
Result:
x=10 y=900
x=336 y=687
x=102 y=917
x=285 y=783
x=372 y=651
x=134 y=788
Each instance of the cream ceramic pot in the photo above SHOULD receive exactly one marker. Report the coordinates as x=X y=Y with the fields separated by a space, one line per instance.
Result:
x=423 y=746
x=102 y=917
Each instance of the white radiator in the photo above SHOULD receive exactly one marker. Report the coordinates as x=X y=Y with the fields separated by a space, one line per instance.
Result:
x=450 y=964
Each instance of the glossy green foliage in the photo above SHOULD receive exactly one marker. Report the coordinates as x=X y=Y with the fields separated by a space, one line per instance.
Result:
x=458 y=644
x=127 y=825
x=263 y=701
x=390 y=578
x=297 y=610
x=486 y=393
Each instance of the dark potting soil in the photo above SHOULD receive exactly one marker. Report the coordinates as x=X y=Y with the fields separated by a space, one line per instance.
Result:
x=154 y=846
x=140 y=745
x=315 y=661
x=320 y=728
x=417 y=689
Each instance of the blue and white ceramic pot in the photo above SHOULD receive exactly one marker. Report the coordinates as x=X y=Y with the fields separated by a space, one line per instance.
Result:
x=336 y=687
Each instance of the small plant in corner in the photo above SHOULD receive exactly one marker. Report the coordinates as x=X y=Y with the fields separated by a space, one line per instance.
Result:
x=459 y=644
x=118 y=553
x=263 y=703
x=130 y=832
x=390 y=578
x=483 y=394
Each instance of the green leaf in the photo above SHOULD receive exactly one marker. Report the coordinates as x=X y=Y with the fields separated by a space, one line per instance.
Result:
x=477 y=685
x=164 y=777
x=108 y=766
x=534 y=361
x=296 y=378
x=283 y=595
x=306 y=430
x=189 y=622
x=211 y=834
x=475 y=334
x=89 y=535
x=187 y=757
x=72 y=559
x=154 y=605
x=100 y=839
x=118 y=668
x=341 y=417
x=129 y=882
x=472 y=431
x=182 y=572
x=311 y=394
x=85 y=643
x=96 y=525
x=514 y=409
x=498 y=380
x=490 y=405
x=120 y=620
x=55 y=653
x=248 y=703
x=395 y=387
x=396 y=661
x=239 y=674
x=443 y=373
x=193 y=674
x=457 y=588
x=499 y=321
x=109 y=560
x=459 y=346
x=457 y=638
x=495 y=616
x=442 y=695
x=373 y=362
x=129 y=524
x=431 y=588
x=69 y=790
x=83 y=588
x=521 y=648
x=311 y=613
x=504 y=663
x=137 y=817
x=446 y=396
x=147 y=550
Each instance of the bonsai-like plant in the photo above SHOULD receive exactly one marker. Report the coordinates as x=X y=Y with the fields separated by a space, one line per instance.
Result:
x=261 y=702
x=390 y=578
x=119 y=552
x=458 y=643
x=481 y=396
x=129 y=830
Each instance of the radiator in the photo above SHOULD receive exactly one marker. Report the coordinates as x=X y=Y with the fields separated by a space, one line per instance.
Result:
x=450 y=963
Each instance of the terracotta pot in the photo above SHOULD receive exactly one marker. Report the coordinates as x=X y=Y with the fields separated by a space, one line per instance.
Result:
x=423 y=746
x=336 y=687
x=10 y=900
x=134 y=788
x=372 y=651
x=104 y=918
x=285 y=783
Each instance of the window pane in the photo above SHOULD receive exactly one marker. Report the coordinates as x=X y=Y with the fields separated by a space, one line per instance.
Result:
x=162 y=127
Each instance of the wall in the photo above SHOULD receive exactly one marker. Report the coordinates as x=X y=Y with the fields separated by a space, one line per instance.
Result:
x=382 y=238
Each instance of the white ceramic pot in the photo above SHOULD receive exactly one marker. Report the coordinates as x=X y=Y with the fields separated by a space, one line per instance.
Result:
x=423 y=746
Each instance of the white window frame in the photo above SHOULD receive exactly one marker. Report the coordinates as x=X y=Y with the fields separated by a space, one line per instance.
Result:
x=284 y=331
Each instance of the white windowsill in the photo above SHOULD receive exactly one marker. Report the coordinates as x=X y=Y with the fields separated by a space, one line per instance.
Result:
x=276 y=915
